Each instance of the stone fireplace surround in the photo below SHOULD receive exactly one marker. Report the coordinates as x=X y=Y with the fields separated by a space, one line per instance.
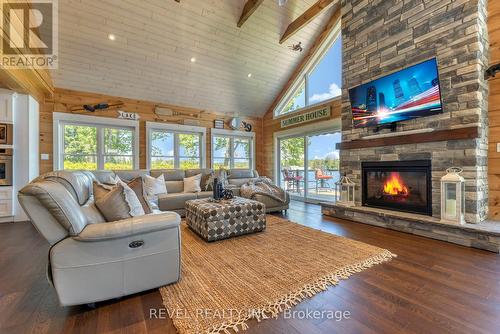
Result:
x=382 y=37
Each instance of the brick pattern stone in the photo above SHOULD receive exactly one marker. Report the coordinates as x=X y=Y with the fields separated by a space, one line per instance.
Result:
x=485 y=235
x=381 y=37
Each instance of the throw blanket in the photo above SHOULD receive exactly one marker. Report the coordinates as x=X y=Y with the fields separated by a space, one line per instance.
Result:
x=262 y=186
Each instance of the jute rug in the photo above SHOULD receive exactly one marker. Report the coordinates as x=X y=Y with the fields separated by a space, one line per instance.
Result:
x=226 y=283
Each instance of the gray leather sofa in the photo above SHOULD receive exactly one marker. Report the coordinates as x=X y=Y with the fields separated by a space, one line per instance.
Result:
x=176 y=198
x=91 y=260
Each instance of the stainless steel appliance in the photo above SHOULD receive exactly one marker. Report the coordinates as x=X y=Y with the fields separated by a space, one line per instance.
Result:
x=5 y=170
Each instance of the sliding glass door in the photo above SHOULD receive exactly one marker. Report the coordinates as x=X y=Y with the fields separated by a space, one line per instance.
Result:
x=309 y=165
x=292 y=165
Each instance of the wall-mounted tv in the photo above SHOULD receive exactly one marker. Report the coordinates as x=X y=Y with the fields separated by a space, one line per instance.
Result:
x=410 y=93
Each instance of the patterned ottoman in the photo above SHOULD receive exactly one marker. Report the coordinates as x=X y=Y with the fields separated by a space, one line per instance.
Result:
x=227 y=218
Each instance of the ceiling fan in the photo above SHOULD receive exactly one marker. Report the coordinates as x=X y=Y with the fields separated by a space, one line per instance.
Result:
x=282 y=2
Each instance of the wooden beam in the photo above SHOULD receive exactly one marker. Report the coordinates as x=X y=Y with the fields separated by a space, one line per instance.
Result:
x=305 y=18
x=250 y=7
x=437 y=135
x=312 y=50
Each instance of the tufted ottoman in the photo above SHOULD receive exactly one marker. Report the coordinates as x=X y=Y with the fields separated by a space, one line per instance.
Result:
x=227 y=218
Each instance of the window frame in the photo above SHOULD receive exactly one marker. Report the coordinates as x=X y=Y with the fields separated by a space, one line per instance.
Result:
x=176 y=129
x=61 y=119
x=303 y=76
x=232 y=134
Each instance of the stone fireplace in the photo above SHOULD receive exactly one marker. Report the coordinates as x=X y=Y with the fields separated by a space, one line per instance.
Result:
x=382 y=37
x=398 y=185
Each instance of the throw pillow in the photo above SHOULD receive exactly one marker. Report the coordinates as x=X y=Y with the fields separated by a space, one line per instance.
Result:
x=100 y=190
x=152 y=188
x=137 y=186
x=119 y=203
x=192 y=184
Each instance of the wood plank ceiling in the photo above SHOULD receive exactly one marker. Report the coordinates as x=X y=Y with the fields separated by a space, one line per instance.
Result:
x=156 y=39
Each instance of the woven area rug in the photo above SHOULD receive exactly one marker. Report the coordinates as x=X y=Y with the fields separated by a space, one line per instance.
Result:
x=226 y=283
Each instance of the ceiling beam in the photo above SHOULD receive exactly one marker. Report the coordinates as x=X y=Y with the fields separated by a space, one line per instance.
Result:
x=250 y=7
x=305 y=18
x=332 y=22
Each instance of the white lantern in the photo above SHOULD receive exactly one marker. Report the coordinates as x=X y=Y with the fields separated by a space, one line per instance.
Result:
x=345 y=188
x=453 y=197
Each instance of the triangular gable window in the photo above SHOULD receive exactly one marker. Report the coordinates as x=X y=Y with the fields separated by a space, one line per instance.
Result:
x=320 y=81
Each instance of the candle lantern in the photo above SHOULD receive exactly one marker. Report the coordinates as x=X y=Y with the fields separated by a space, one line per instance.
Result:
x=344 y=190
x=453 y=197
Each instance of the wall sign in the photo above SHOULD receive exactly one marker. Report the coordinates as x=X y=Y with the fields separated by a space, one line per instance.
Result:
x=307 y=117
x=128 y=115
x=219 y=124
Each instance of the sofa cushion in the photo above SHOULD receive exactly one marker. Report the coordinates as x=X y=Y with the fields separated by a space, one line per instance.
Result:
x=205 y=194
x=238 y=182
x=169 y=174
x=240 y=174
x=167 y=202
x=129 y=175
x=105 y=176
x=59 y=202
x=174 y=186
x=78 y=183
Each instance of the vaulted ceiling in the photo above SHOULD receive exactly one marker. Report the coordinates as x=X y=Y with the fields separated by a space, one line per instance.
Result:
x=150 y=58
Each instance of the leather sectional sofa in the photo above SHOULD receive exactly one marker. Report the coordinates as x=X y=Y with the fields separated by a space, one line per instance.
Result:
x=176 y=198
x=92 y=260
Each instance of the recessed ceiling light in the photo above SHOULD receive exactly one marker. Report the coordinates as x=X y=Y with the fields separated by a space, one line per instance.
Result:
x=249 y=75
x=193 y=60
x=111 y=37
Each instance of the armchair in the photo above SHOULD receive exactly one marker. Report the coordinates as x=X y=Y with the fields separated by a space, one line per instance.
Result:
x=91 y=260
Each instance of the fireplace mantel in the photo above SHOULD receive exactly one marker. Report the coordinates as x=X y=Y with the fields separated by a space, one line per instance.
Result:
x=471 y=132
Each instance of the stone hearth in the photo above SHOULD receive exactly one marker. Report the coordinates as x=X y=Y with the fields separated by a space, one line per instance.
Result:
x=484 y=235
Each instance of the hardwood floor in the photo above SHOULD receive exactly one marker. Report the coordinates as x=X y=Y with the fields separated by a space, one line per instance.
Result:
x=432 y=287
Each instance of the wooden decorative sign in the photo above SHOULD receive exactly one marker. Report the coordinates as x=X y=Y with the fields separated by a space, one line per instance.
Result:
x=128 y=115
x=307 y=117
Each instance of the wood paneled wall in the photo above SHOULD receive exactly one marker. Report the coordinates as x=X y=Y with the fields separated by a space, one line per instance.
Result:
x=65 y=100
x=494 y=112
x=33 y=81
x=273 y=125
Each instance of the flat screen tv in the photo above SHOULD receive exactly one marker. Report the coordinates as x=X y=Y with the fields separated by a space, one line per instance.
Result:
x=410 y=93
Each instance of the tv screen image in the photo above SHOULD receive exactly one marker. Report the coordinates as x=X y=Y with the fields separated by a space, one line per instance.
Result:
x=410 y=93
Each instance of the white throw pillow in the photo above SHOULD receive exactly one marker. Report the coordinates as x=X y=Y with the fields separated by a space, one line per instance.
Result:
x=192 y=184
x=154 y=186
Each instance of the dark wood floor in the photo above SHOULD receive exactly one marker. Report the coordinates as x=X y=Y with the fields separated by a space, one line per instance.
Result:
x=432 y=287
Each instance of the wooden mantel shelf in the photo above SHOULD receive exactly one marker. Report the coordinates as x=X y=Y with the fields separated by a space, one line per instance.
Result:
x=415 y=138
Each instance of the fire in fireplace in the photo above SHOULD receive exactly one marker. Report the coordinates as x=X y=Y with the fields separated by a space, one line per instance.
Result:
x=395 y=187
x=398 y=185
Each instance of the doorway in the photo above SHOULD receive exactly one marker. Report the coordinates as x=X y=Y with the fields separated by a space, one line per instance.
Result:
x=308 y=165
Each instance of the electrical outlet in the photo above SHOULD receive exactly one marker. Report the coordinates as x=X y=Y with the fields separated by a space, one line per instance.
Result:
x=498 y=147
x=44 y=156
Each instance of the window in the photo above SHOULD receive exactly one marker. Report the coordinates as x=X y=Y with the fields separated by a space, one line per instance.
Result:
x=175 y=146
x=321 y=79
x=232 y=149
x=89 y=142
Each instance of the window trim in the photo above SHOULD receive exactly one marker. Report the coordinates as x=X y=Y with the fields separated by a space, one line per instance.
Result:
x=232 y=134
x=176 y=128
x=60 y=119
x=303 y=76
